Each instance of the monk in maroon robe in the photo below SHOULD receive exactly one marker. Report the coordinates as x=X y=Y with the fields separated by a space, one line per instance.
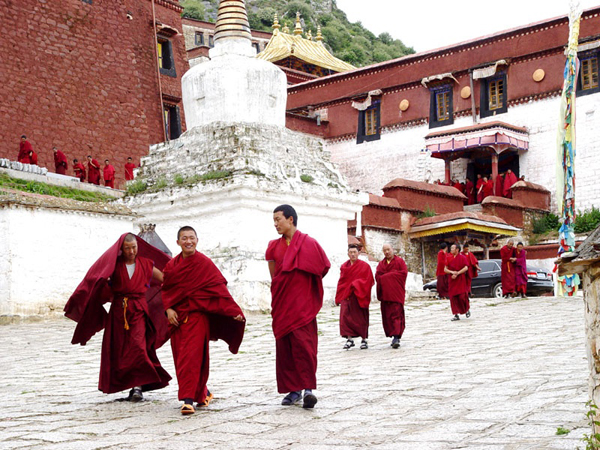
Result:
x=479 y=188
x=474 y=268
x=297 y=265
x=509 y=179
x=33 y=158
x=521 y=270
x=60 y=161
x=79 y=170
x=508 y=274
x=127 y=275
x=129 y=166
x=391 y=289
x=442 y=278
x=25 y=151
x=109 y=174
x=458 y=287
x=470 y=192
x=458 y=186
x=199 y=308
x=487 y=187
x=499 y=188
x=354 y=295
x=93 y=171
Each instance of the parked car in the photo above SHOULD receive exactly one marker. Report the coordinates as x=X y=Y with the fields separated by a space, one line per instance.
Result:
x=489 y=283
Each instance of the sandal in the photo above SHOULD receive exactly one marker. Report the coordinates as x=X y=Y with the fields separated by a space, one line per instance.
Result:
x=187 y=409
x=364 y=345
x=349 y=344
x=207 y=400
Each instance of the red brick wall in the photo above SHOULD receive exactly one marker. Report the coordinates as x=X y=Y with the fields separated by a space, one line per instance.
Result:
x=380 y=217
x=532 y=198
x=306 y=125
x=512 y=216
x=419 y=201
x=83 y=77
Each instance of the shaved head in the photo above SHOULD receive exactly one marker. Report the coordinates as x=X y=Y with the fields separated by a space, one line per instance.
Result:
x=130 y=237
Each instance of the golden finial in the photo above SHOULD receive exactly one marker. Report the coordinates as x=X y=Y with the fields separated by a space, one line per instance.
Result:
x=319 y=37
x=298 y=29
x=309 y=35
x=232 y=20
x=276 y=25
x=286 y=29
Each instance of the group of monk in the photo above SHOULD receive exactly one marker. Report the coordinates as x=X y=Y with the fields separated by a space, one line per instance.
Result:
x=455 y=272
x=28 y=156
x=185 y=299
x=354 y=296
x=484 y=186
x=514 y=270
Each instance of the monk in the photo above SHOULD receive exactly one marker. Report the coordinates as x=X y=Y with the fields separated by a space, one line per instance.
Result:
x=487 y=187
x=33 y=158
x=499 y=188
x=60 y=161
x=109 y=174
x=199 y=309
x=129 y=166
x=521 y=270
x=391 y=289
x=442 y=278
x=128 y=276
x=458 y=186
x=508 y=275
x=354 y=295
x=79 y=170
x=25 y=151
x=470 y=192
x=458 y=287
x=474 y=268
x=509 y=179
x=479 y=188
x=93 y=171
x=297 y=265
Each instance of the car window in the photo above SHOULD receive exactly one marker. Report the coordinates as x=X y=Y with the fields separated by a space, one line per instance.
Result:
x=488 y=266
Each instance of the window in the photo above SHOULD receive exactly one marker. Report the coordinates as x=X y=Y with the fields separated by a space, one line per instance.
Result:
x=172 y=121
x=493 y=99
x=211 y=41
x=369 y=123
x=199 y=38
x=165 y=57
x=89 y=2
x=587 y=83
x=440 y=110
x=256 y=45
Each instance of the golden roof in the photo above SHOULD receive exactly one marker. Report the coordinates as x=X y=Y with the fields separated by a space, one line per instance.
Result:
x=283 y=45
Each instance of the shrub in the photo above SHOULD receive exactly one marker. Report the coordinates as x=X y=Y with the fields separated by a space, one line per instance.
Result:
x=306 y=178
x=546 y=223
x=136 y=187
x=587 y=221
x=179 y=179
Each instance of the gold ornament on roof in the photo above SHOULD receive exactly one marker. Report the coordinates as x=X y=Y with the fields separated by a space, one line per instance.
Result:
x=286 y=29
x=232 y=20
x=319 y=37
x=276 y=25
x=298 y=29
x=309 y=35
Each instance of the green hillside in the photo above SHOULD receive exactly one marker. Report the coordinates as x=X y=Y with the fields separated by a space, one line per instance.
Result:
x=350 y=42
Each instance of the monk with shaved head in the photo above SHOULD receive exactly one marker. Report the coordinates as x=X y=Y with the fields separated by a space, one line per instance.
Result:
x=391 y=290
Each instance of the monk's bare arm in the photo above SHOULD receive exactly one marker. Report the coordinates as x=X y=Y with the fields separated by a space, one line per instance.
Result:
x=157 y=275
x=463 y=270
x=172 y=317
x=271 y=268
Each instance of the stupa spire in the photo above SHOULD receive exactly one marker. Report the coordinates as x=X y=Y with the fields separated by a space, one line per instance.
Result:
x=319 y=37
x=298 y=29
x=232 y=21
x=275 y=25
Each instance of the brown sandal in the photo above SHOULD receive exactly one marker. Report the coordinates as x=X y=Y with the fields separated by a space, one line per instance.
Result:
x=206 y=401
x=187 y=409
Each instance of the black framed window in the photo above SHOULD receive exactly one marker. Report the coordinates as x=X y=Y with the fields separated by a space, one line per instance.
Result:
x=256 y=45
x=493 y=98
x=166 y=63
x=440 y=107
x=369 y=123
x=199 y=38
x=172 y=121
x=587 y=82
x=211 y=41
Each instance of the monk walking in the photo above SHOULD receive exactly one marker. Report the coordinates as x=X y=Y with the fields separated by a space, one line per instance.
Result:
x=93 y=171
x=509 y=179
x=470 y=192
x=109 y=174
x=442 y=278
x=391 y=289
x=25 y=151
x=521 y=270
x=199 y=308
x=354 y=295
x=129 y=166
x=79 y=170
x=297 y=265
x=458 y=287
x=479 y=188
x=508 y=274
x=474 y=268
x=60 y=161
x=127 y=275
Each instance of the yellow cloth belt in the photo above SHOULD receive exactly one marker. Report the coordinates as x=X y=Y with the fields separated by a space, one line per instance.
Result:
x=125 y=313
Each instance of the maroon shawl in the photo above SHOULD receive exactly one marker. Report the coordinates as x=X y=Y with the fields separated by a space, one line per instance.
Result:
x=391 y=280
x=460 y=284
x=521 y=267
x=355 y=279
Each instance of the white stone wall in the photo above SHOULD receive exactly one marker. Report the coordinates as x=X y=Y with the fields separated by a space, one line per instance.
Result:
x=371 y=165
x=47 y=252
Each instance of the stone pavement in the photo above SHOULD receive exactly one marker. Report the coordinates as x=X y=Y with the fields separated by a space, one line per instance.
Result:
x=504 y=379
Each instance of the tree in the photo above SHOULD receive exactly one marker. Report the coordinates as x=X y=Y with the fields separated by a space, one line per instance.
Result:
x=194 y=9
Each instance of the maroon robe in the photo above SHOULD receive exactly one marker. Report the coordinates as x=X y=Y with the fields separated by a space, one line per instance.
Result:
x=354 y=295
x=25 y=149
x=499 y=190
x=508 y=275
x=509 y=180
x=472 y=272
x=93 y=172
x=297 y=297
x=488 y=189
x=79 y=170
x=470 y=192
x=60 y=162
x=128 y=346
x=521 y=271
x=479 y=193
x=458 y=288
x=442 y=277
x=129 y=171
x=33 y=158
x=109 y=176
x=391 y=291
x=458 y=186
x=195 y=288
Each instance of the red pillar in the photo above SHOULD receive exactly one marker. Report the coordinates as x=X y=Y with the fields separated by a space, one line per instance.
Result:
x=494 y=170
x=447 y=164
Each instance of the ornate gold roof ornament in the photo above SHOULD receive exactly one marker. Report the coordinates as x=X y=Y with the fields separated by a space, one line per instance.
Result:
x=276 y=25
x=298 y=28
x=232 y=20
x=319 y=37
x=309 y=35
x=285 y=29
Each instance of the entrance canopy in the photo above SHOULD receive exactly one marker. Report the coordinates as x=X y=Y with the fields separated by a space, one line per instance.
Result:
x=461 y=142
x=464 y=223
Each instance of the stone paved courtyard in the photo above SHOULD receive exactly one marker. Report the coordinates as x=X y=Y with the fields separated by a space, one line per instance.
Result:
x=504 y=379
